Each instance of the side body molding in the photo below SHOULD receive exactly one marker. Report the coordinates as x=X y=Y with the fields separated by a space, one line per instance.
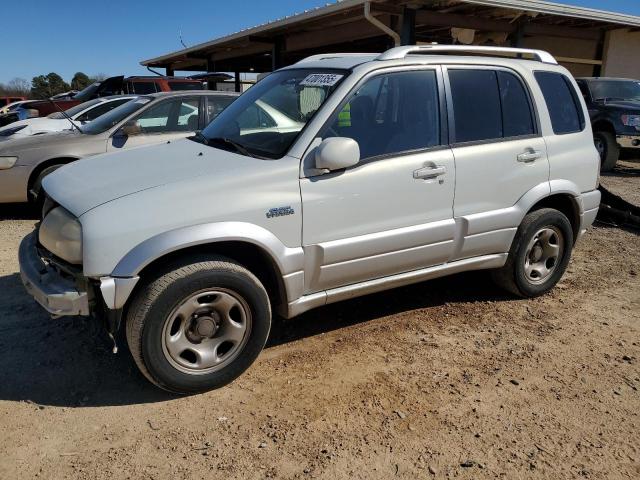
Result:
x=290 y=261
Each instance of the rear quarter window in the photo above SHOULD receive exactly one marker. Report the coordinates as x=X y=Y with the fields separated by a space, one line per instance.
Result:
x=174 y=86
x=562 y=102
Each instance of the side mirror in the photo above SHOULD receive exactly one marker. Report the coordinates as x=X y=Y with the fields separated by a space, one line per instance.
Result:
x=32 y=113
x=337 y=153
x=130 y=129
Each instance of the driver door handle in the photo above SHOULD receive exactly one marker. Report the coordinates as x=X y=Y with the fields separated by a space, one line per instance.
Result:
x=429 y=172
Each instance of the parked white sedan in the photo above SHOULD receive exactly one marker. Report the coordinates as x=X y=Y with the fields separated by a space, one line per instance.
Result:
x=57 y=121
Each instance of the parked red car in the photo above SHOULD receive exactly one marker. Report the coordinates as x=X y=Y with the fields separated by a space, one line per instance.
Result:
x=115 y=86
x=4 y=101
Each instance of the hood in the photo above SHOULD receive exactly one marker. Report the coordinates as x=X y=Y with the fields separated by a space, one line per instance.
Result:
x=88 y=183
x=627 y=105
x=41 y=146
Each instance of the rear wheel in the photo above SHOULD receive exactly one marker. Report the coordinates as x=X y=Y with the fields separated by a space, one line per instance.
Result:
x=608 y=149
x=539 y=254
x=198 y=325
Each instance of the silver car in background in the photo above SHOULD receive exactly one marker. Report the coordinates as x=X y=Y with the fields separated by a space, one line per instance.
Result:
x=149 y=119
x=58 y=121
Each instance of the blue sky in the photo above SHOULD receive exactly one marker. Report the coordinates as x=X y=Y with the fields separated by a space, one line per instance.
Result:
x=40 y=36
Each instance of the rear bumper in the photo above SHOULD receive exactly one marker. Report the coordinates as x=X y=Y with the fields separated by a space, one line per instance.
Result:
x=590 y=205
x=629 y=141
x=57 y=295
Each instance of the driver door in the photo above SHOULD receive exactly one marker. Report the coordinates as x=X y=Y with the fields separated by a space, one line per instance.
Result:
x=166 y=120
x=393 y=211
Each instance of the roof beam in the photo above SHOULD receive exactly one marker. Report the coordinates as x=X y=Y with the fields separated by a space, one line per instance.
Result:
x=356 y=30
x=434 y=19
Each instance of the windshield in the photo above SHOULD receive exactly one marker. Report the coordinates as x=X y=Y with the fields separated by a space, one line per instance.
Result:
x=74 y=110
x=115 y=116
x=266 y=120
x=615 y=89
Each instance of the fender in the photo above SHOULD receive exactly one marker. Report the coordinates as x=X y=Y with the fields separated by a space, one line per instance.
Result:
x=290 y=261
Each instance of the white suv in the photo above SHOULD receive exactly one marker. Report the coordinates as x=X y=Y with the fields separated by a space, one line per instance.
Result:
x=405 y=166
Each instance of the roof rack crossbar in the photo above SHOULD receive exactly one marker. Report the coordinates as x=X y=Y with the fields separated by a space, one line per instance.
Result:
x=398 y=53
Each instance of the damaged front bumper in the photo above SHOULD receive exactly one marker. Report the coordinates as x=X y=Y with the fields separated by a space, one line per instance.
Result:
x=56 y=293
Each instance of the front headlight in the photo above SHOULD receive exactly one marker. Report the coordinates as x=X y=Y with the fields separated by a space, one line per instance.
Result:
x=7 y=162
x=61 y=234
x=631 y=120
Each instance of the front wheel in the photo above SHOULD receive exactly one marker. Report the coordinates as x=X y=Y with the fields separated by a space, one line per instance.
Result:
x=539 y=254
x=608 y=149
x=198 y=325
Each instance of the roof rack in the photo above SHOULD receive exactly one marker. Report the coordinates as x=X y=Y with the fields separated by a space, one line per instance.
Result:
x=398 y=53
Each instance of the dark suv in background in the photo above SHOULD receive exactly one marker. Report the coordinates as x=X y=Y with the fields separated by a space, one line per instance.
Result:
x=614 y=107
x=140 y=85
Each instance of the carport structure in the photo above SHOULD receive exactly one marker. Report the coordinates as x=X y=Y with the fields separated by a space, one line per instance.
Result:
x=588 y=42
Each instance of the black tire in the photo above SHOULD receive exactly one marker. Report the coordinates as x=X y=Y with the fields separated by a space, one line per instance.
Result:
x=512 y=277
x=152 y=304
x=36 y=196
x=608 y=148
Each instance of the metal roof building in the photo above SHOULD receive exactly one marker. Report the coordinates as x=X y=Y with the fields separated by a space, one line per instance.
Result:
x=588 y=42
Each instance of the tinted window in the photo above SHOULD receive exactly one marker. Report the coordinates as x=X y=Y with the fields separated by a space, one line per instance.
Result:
x=476 y=105
x=144 y=87
x=517 y=118
x=391 y=113
x=215 y=105
x=186 y=86
x=562 y=102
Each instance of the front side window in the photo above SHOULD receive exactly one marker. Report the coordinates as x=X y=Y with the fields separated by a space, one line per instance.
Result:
x=562 y=101
x=267 y=118
x=390 y=113
x=175 y=115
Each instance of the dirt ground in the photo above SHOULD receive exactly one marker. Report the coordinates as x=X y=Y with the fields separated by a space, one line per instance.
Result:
x=445 y=379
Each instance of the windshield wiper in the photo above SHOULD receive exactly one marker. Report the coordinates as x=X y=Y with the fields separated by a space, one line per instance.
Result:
x=227 y=141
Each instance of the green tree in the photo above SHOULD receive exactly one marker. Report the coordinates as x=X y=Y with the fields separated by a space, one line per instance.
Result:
x=45 y=86
x=80 y=80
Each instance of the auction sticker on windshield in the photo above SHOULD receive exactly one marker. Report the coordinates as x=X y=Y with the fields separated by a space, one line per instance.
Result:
x=321 y=80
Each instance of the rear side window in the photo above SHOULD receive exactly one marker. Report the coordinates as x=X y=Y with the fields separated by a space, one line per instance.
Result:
x=476 y=105
x=562 y=102
x=517 y=118
x=489 y=105
x=144 y=88
x=175 y=86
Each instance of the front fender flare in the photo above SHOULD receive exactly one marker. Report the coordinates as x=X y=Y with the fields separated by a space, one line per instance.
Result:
x=288 y=260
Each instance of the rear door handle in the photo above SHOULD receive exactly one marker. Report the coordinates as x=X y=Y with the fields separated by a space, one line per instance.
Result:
x=429 y=172
x=530 y=156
